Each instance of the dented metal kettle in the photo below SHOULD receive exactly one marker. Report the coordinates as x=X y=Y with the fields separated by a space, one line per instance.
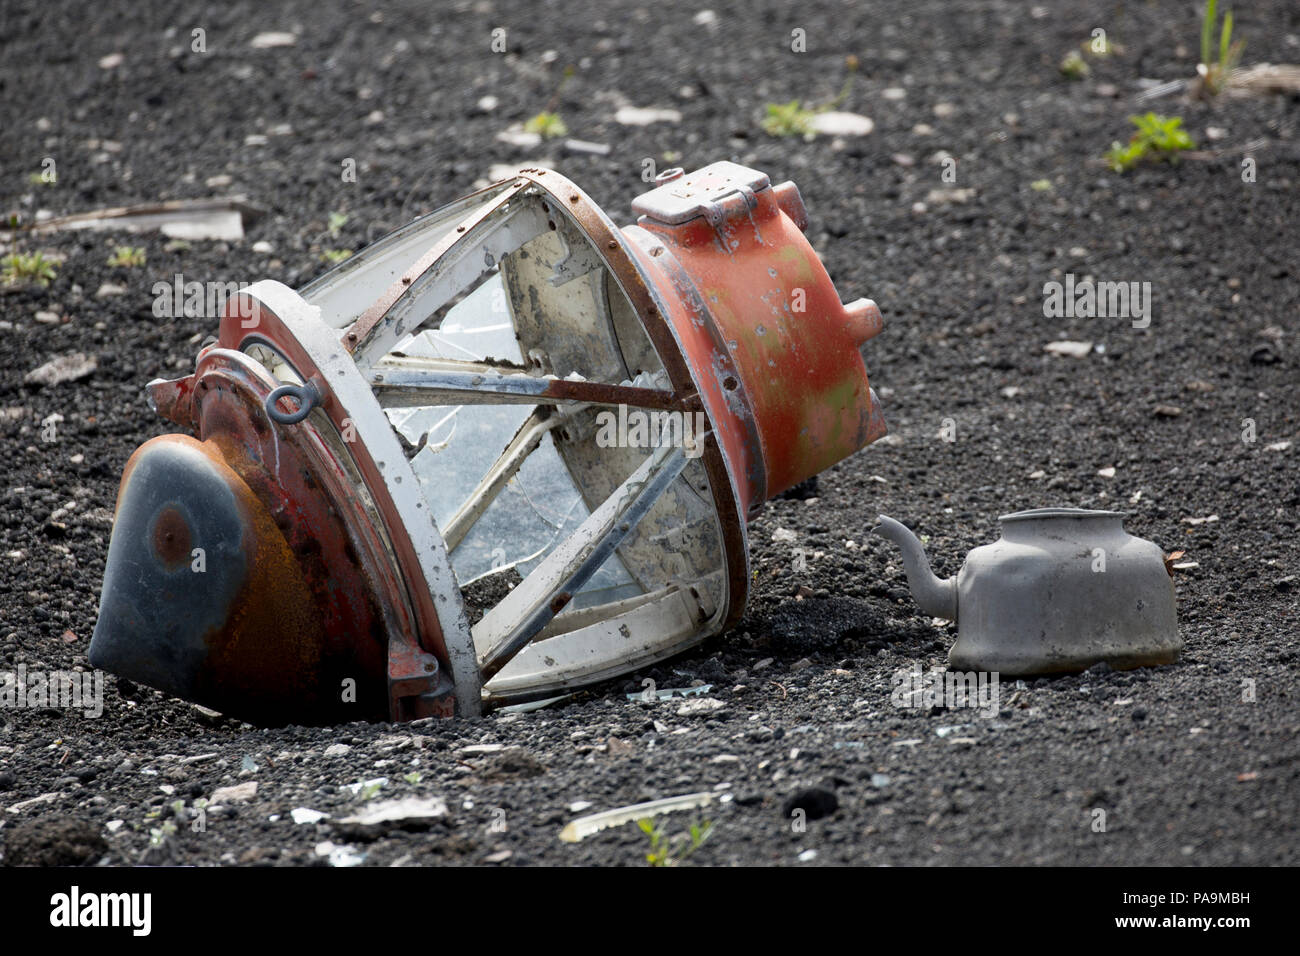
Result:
x=1061 y=590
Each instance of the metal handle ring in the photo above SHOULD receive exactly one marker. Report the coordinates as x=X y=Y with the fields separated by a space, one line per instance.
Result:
x=307 y=395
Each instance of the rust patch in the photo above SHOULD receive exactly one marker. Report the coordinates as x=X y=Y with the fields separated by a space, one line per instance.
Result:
x=172 y=541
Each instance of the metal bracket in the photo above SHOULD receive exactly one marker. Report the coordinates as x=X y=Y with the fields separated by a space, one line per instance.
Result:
x=710 y=192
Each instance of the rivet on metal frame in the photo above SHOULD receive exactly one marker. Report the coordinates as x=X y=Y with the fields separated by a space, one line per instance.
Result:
x=505 y=451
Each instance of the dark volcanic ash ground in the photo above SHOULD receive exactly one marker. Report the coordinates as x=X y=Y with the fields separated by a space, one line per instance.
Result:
x=1187 y=771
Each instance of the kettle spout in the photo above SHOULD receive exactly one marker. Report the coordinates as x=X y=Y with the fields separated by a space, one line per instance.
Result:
x=936 y=597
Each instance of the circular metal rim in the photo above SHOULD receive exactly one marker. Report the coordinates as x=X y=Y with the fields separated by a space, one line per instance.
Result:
x=611 y=247
x=1058 y=512
x=375 y=573
x=449 y=638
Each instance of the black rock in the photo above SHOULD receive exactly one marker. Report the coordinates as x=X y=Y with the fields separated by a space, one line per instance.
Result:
x=54 y=841
x=815 y=802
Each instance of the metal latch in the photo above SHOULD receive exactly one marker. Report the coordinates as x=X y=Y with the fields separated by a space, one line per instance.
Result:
x=716 y=192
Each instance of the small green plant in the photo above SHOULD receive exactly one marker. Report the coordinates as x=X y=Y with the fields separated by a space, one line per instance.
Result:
x=127 y=256
x=789 y=119
x=335 y=256
x=1041 y=185
x=1074 y=66
x=1215 y=74
x=546 y=124
x=1157 y=137
x=673 y=851
x=158 y=835
x=336 y=222
x=21 y=268
x=795 y=119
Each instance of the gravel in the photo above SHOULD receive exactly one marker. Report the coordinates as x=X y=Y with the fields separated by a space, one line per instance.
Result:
x=1199 y=762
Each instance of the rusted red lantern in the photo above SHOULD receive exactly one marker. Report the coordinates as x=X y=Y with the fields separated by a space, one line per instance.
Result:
x=436 y=479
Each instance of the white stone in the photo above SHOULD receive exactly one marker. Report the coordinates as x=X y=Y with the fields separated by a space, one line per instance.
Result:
x=391 y=811
x=1069 y=349
x=645 y=115
x=271 y=39
x=239 y=793
x=517 y=136
x=835 y=123
x=699 y=707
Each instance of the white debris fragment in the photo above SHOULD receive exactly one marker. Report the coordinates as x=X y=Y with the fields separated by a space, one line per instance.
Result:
x=34 y=802
x=478 y=750
x=834 y=123
x=784 y=536
x=1108 y=472
x=63 y=368
x=394 y=811
x=272 y=39
x=374 y=784
x=585 y=826
x=700 y=706
x=585 y=148
x=518 y=136
x=645 y=115
x=339 y=855
x=307 y=815
x=951 y=729
x=1069 y=349
x=336 y=750
x=236 y=794
x=176 y=218
x=947 y=197
x=111 y=62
